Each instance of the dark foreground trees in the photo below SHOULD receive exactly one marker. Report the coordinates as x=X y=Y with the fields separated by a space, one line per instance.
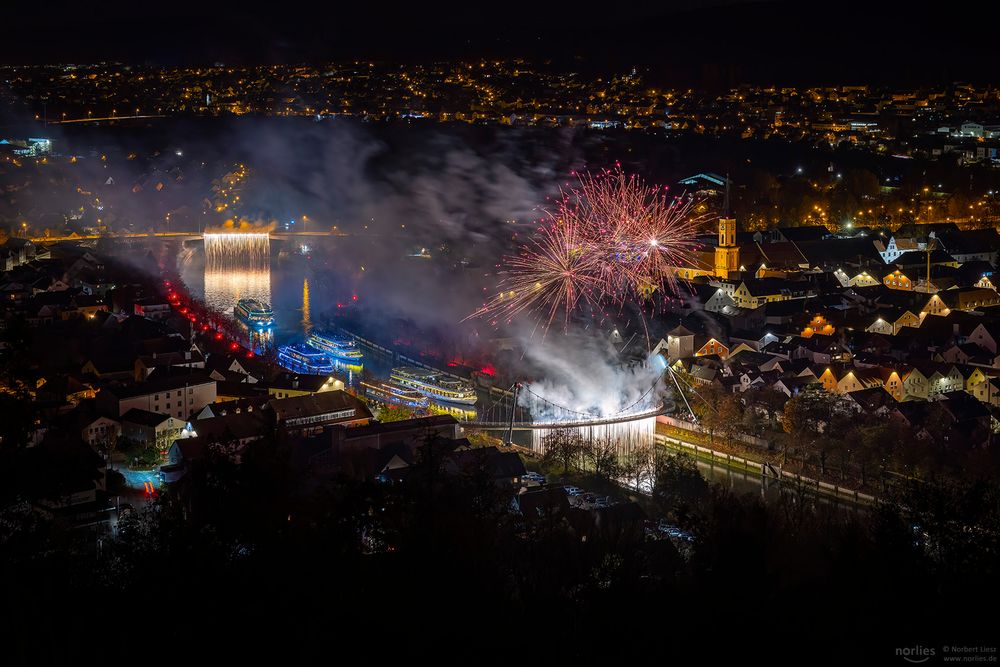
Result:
x=256 y=562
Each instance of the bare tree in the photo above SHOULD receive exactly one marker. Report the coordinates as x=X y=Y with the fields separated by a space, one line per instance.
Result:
x=602 y=455
x=563 y=446
x=638 y=466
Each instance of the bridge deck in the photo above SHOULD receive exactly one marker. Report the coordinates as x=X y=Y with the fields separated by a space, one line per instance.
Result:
x=531 y=426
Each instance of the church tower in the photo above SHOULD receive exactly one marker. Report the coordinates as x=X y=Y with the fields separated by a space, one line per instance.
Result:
x=727 y=253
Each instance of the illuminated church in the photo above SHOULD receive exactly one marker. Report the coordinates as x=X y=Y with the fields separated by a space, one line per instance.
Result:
x=727 y=253
x=726 y=261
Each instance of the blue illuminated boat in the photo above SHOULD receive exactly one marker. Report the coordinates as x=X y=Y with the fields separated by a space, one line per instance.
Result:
x=301 y=358
x=254 y=313
x=393 y=392
x=336 y=347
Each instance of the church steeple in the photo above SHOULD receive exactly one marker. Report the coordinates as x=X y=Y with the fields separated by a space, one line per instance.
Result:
x=727 y=254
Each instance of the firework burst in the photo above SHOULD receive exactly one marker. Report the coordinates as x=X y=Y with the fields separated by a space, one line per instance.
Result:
x=610 y=240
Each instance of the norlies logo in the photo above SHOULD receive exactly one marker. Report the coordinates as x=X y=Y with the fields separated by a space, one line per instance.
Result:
x=915 y=654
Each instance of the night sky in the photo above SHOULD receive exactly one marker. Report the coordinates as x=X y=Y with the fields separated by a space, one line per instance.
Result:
x=711 y=42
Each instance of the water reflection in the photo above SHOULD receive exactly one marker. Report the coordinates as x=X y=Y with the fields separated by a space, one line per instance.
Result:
x=306 y=318
x=223 y=288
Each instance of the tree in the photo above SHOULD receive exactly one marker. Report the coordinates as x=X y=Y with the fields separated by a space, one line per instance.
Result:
x=602 y=455
x=718 y=411
x=638 y=466
x=873 y=445
x=677 y=484
x=393 y=413
x=484 y=439
x=564 y=447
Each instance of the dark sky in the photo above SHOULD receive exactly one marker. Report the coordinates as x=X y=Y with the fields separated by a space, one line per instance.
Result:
x=714 y=41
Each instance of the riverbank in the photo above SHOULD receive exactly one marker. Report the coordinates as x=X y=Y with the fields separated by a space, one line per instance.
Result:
x=766 y=470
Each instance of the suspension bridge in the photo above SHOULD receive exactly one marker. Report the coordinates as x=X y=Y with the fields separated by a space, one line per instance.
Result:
x=519 y=408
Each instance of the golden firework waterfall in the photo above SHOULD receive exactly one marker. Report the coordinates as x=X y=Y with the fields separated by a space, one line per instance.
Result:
x=237 y=266
x=236 y=250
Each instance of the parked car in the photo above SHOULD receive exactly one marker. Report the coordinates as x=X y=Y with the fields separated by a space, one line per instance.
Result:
x=588 y=497
x=533 y=477
x=574 y=491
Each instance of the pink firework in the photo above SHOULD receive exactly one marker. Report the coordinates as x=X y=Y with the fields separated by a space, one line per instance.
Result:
x=642 y=233
x=556 y=272
x=609 y=240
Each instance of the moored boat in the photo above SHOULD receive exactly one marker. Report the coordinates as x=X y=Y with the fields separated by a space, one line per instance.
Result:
x=435 y=384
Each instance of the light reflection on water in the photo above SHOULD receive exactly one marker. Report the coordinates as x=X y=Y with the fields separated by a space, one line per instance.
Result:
x=223 y=288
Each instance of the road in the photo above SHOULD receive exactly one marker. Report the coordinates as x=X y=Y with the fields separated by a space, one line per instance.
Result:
x=139 y=480
x=168 y=235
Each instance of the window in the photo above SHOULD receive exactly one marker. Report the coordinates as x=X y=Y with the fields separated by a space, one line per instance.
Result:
x=156 y=397
x=168 y=406
x=178 y=392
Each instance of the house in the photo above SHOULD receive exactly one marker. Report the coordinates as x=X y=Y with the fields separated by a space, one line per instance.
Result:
x=17 y=251
x=915 y=385
x=866 y=278
x=678 y=345
x=860 y=379
x=935 y=306
x=236 y=429
x=65 y=473
x=152 y=308
x=897 y=246
x=151 y=428
x=312 y=412
x=986 y=335
x=408 y=431
x=753 y=340
x=720 y=302
x=942 y=379
x=793 y=386
x=146 y=364
x=967 y=353
x=963 y=408
x=892 y=382
x=222 y=408
x=756 y=293
x=287 y=385
x=872 y=401
x=505 y=469
x=101 y=432
x=818 y=325
x=230 y=367
x=980 y=383
x=789 y=367
x=821 y=350
x=712 y=346
x=180 y=396
x=897 y=280
x=889 y=321
x=86 y=306
x=988 y=391
x=969 y=298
